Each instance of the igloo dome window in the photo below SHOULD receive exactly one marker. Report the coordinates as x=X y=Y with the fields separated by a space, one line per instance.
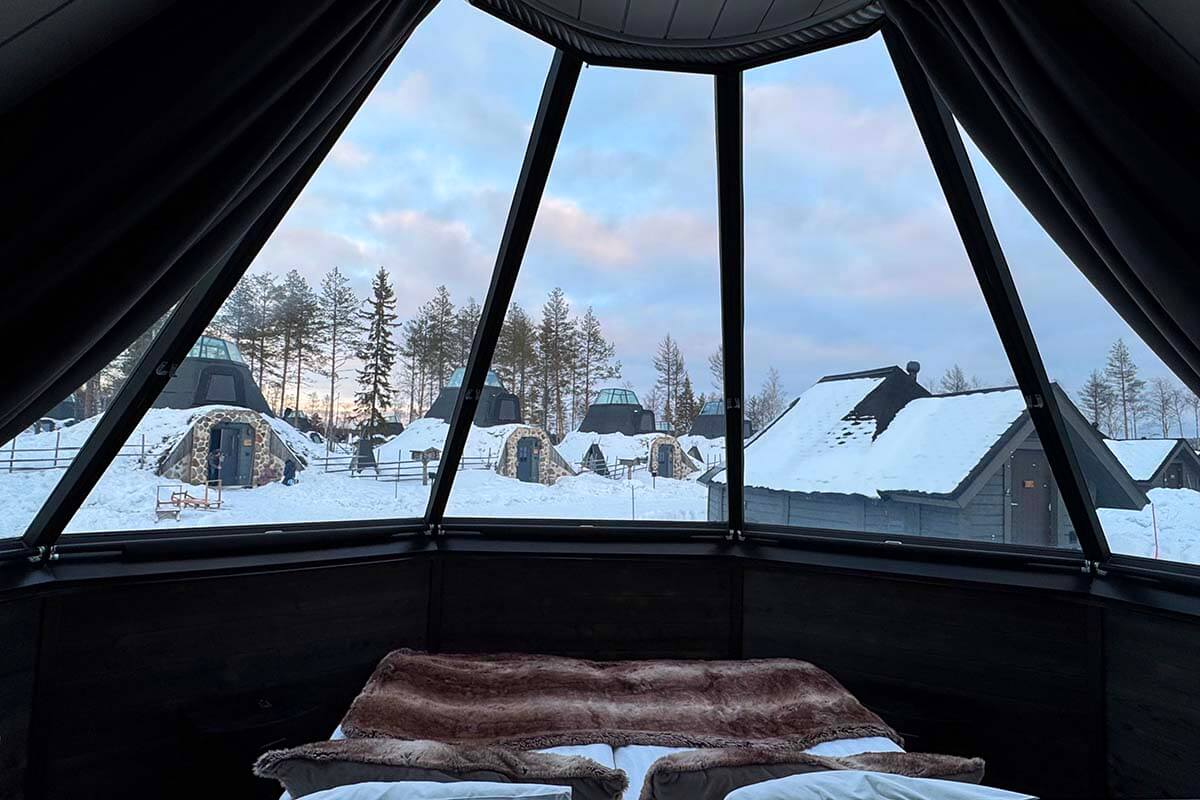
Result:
x=618 y=397
x=216 y=349
x=456 y=379
x=712 y=409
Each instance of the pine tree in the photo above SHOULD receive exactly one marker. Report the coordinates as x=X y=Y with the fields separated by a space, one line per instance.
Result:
x=1096 y=399
x=412 y=352
x=444 y=352
x=298 y=315
x=516 y=358
x=338 y=305
x=668 y=363
x=377 y=352
x=557 y=344
x=466 y=320
x=595 y=362
x=1127 y=388
x=688 y=408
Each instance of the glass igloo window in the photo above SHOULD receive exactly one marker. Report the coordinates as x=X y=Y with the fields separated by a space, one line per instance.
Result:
x=615 y=314
x=880 y=396
x=321 y=392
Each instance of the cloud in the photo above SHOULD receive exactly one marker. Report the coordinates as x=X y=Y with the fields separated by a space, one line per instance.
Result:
x=627 y=240
x=347 y=154
x=825 y=126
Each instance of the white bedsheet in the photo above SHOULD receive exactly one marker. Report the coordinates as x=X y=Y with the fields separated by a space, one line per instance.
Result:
x=858 y=785
x=635 y=760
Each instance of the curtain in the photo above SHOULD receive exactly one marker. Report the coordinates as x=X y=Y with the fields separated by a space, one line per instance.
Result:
x=130 y=177
x=1095 y=136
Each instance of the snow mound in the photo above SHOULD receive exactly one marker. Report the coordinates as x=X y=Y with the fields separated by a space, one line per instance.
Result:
x=712 y=451
x=1172 y=514
x=486 y=444
x=615 y=446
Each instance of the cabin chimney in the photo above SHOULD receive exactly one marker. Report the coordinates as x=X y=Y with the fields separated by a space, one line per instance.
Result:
x=913 y=367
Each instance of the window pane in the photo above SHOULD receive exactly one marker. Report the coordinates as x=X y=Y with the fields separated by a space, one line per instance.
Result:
x=604 y=356
x=1135 y=423
x=33 y=462
x=881 y=397
x=289 y=409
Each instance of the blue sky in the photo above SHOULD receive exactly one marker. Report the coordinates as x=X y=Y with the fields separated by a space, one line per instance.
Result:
x=852 y=260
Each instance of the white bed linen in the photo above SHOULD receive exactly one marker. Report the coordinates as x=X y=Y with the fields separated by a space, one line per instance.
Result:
x=460 y=790
x=635 y=760
x=858 y=785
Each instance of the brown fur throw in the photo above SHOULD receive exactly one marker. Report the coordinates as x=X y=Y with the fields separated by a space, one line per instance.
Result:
x=531 y=702
x=715 y=773
x=471 y=717
x=324 y=765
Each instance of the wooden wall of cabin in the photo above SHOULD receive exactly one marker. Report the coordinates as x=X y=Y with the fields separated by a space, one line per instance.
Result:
x=171 y=687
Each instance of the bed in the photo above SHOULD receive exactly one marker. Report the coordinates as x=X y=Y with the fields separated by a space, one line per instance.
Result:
x=632 y=730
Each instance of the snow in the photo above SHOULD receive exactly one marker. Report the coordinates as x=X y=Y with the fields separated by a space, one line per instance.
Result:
x=1141 y=457
x=712 y=451
x=930 y=446
x=1173 y=513
x=124 y=497
x=482 y=443
x=615 y=446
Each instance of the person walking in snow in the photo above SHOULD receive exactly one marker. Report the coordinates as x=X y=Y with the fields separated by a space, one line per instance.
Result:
x=289 y=472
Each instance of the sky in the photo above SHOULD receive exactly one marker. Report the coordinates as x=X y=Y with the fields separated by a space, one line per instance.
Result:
x=852 y=259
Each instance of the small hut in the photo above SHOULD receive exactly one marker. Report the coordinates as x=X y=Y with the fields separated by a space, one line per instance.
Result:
x=874 y=451
x=519 y=451
x=1158 y=463
x=237 y=446
x=604 y=453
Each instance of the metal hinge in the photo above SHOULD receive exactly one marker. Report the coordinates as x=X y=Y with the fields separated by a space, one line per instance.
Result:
x=733 y=403
x=1033 y=401
x=1093 y=568
x=735 y=536
x=43 y=555
x=434 y=531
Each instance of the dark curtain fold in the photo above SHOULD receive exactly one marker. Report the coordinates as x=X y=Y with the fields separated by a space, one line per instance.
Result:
x=145 y=167
x=1094 y=138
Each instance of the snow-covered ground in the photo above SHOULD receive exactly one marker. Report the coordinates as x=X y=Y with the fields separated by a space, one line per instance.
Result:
x=1174 y=514
x=124 y=498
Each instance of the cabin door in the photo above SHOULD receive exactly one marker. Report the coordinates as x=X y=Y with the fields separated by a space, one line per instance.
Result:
x=529 y=456
x=1174 y=476
x=1032 y=494
x=665 y=467
x=230 y=454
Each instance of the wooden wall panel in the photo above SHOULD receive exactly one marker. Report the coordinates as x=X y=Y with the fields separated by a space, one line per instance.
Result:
x=1009 y=677
x=150 y=686
x=19 y=622
x=593 y=608
x=1153 y=685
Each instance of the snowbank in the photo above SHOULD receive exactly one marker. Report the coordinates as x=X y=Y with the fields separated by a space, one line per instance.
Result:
x=1141 y=457
x=712 y=451
x=424 y=433
x=615 y=446
x=1174 y=513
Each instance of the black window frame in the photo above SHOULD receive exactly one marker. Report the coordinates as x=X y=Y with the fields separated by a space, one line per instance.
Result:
x=42 y=544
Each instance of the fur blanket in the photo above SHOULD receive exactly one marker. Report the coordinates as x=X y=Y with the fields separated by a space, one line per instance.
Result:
x=475 y=717
x=531 y=702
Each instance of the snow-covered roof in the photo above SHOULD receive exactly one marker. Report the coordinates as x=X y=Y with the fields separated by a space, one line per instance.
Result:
x=428 y=432
x=930 y=447
x=1141 y=457
x=615 y=446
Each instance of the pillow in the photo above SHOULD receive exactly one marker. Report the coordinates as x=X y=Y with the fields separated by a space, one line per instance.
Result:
x=326 y=765
x=857 y=785
x=712 y=774
x=425 y=790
